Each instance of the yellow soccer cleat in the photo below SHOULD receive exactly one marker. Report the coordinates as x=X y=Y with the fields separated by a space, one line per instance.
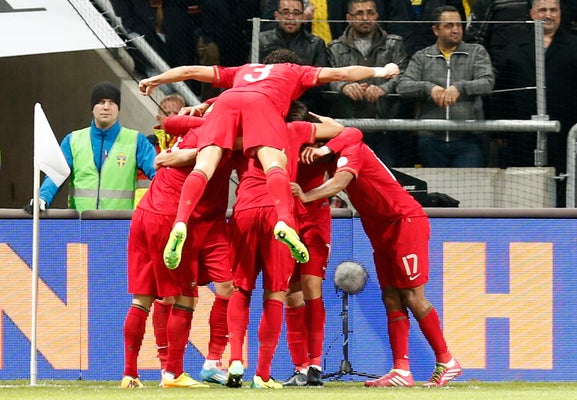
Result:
x=258 y=383
x=128 y=382
x=183 y=381
x=289 y=237
x=173 y=249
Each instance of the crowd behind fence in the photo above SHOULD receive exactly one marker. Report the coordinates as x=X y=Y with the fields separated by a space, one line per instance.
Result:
x=519 y=121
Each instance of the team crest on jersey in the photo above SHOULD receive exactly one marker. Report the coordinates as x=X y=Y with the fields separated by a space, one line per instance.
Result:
x=121 y=159
x=342 y=161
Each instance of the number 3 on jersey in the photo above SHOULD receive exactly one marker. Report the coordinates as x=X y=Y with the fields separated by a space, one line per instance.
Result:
x=260 y=72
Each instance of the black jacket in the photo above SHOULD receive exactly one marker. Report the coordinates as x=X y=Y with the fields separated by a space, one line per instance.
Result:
x=311 y=49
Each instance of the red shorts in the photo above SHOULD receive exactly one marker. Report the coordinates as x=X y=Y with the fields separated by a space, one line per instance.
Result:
x=402 y=253
x=315 y=233
x=211 y=247
x=147 y=274
x=251 y=115
x=254 y=248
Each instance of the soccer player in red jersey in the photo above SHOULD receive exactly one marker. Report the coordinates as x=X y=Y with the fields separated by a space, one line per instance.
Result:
x=256 y=103
x=254 y=249
x=305 y=311
x=398 y=230
x=148 y=277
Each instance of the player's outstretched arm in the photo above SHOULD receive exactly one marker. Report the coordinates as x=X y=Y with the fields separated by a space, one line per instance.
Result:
x=355 y=73
x=199 y=73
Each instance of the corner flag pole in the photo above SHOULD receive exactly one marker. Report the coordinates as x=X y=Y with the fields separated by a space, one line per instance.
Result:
x=35 y=236
x=48 y=158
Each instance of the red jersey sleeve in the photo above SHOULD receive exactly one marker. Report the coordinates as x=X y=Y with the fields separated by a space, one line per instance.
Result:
x=349 y=160
x=347 y=137
x=224 y=76
x=178 y=125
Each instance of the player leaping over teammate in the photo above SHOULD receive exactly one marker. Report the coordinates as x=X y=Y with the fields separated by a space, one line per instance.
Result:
x=256 y=103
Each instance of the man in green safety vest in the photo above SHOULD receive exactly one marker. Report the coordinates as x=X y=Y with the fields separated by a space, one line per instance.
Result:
x=103 y=158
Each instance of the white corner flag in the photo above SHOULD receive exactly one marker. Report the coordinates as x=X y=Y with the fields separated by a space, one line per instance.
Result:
x=49 y=159
x=47 y=153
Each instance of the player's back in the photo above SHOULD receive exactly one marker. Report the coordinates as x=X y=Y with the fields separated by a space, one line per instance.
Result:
x=280 y=82
x=375 y=192
x=164 y=192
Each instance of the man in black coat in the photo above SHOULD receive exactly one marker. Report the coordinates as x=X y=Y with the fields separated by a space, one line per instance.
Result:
x=519 y=71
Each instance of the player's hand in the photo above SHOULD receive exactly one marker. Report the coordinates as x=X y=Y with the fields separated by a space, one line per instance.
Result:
x=146 y=86
x=297 y=191
x=162 y=159
x=391 y=70
x=197 y=111
x=310 y=154
x=29 y=208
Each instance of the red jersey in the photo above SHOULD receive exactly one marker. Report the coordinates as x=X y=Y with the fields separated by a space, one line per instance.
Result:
x=282 y=83
x=252 y=190
x=375 y=192
x=164 y=193
x=310 y=176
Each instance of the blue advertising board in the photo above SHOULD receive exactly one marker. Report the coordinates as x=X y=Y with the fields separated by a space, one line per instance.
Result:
x=504 y=288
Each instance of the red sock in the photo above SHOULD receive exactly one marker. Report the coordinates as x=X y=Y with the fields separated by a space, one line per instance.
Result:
x=134 y=327
x=431 y=327
x=160 y=313
x=296 y=336
x=398 y=326
x=238 y=313
x=315 y=322
x=218 y=328
x=178 y=330
x=268 y=335
x=278 y=185
x=191 y=193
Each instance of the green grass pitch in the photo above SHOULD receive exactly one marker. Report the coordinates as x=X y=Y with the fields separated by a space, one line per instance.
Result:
x=336 y=390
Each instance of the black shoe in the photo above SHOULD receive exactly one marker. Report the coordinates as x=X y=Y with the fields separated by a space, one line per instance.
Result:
x=297 y=379
x=314 y=377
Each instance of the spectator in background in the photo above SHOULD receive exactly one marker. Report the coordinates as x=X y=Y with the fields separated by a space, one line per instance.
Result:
x=143 y=17
x=448 y=80
x=421 y=35
x=290 y=34
x=365 y=43
x=519 y=71
x=103 y=159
